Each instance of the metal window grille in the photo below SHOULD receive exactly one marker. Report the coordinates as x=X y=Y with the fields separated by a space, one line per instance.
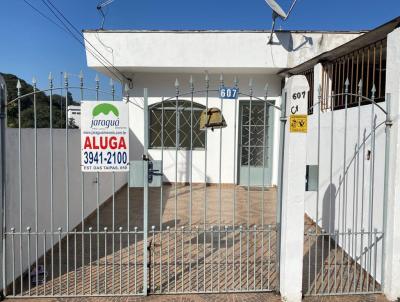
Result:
x=254 y=134
x=163 y=124
x=366 y=65
x=309 y=74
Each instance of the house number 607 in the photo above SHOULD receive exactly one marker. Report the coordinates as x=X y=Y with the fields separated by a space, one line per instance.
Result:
x=299 y=95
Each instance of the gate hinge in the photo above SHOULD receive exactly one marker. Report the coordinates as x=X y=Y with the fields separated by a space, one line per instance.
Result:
x=389 y=123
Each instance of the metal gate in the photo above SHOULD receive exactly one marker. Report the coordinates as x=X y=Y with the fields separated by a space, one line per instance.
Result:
x=345 y=220
x=69 y=233
x=214 y=236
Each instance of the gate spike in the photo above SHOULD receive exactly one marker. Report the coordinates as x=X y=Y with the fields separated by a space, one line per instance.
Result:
x=207 y=79
x=191 y=80
x=50 y=78
x=176 y=83
x=251 y=82
x=221 y=78
x=96 y=78
x=81 y=75
x=346 y=85
x=66 y=78
x=373 y=91
x=19 y=84
x=111 y=82
x=360 y=85
x=235 y=81
x=266 y=90
x=34 y=81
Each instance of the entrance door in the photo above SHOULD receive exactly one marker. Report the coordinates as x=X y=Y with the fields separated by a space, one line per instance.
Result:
x=255 y=140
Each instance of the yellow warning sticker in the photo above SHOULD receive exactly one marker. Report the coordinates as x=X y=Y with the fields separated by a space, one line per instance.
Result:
x=298 y=123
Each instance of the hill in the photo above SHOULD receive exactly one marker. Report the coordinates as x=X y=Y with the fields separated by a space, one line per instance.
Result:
x=42 y=106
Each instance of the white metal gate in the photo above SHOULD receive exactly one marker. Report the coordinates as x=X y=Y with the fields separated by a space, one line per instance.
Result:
x=344 y=235
x=68 y=233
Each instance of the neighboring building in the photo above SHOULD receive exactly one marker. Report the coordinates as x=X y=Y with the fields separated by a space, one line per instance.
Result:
x=74 y=115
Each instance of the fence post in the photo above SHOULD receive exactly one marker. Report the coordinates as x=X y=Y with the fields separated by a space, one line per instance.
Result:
x=292 y=192
x=145 y=191
x=391 y=242
x=3 y=100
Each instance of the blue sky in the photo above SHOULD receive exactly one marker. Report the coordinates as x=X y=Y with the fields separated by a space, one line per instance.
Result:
x=33 y=46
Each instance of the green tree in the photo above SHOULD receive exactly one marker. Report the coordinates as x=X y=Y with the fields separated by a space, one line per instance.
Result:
x=42 y=106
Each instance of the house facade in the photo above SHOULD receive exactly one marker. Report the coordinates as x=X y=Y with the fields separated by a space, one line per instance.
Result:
x=345 y=71
x=156 y=59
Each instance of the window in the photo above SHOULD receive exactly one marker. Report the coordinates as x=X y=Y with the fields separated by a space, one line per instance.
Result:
x=163 y=124
x=367 y=64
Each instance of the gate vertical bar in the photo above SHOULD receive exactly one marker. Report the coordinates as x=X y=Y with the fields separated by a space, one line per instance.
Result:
x=388 y=124
x=35 y=178
x=3 y=97
x=20 y=181
x=66 y=84
x=146 y=189
x=283 y=120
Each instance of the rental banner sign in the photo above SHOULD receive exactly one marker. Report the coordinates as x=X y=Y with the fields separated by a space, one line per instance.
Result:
x=104 y=136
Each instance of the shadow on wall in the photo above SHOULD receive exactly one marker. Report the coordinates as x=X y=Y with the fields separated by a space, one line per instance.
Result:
x=286 y=41
x=328 y=209
x=135 y=147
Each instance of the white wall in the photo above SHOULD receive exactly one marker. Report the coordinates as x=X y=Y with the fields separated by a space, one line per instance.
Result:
x=217 y=51
x=162 y=85
x=43 y=187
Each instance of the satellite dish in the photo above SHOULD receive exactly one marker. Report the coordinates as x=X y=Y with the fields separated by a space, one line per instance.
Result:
x=276 y=8
x=277 y=11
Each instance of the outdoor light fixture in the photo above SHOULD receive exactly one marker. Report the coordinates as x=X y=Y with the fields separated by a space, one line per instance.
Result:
x=212 y=118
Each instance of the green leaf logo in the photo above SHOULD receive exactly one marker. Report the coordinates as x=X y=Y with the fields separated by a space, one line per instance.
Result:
x=105 y=108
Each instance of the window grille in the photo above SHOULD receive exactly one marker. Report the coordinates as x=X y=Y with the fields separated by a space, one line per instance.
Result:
x=309 y=74
x=163 y=122
x=367 y=64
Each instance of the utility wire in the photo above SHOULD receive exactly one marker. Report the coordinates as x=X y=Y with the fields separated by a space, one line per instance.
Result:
x=67 y=30
x=81 y=35
x=79 y=40
x=44 y=16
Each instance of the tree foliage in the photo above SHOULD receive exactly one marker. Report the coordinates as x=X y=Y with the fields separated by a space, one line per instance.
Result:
x=42 y=106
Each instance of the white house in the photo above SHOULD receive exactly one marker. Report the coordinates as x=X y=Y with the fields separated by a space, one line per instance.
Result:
x=155 y=59
x=158 y=59
x=74 y=115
